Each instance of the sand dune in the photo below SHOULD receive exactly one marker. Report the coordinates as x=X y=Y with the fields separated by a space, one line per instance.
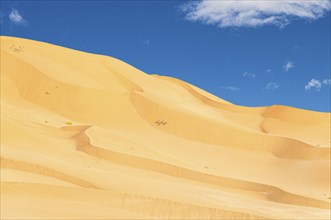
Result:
x=87 y=136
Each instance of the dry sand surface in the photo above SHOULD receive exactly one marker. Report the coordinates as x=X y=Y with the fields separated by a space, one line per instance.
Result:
x=86 y=136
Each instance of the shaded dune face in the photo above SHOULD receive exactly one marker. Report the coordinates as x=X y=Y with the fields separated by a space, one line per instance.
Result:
x=87 y=136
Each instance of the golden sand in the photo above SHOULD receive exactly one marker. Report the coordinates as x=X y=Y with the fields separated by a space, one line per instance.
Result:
x=86 y=136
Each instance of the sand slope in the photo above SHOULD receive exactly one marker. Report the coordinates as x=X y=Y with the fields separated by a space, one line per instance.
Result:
x=86 y=136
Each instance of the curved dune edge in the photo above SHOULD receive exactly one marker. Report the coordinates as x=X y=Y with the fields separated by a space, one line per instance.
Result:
x=150 y=207
x=42 y=170
x=272 y=112
x=279 y=146
x=275 y=194
x=155 y=146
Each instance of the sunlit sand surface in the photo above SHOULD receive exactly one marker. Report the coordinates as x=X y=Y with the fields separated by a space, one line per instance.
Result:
x=86 y=136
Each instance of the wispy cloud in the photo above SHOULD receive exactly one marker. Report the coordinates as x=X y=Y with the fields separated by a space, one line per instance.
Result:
x=327 y=82
x=235 y=13
x=271 y=86
x=230 y=88
x=249 y=75
x=288 y=65
x=315 y=84
x=16 y=18
x=268 y=70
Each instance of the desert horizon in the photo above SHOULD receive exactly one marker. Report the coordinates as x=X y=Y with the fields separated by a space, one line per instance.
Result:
x=86 y=136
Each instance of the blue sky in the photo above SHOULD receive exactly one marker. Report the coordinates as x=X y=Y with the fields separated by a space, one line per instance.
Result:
x=251 y=53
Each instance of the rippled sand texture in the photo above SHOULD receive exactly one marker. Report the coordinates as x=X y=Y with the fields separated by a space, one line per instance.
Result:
x=87 y=136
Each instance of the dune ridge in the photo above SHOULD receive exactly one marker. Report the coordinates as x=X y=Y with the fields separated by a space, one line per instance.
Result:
x=84 y=145
x=102 y=136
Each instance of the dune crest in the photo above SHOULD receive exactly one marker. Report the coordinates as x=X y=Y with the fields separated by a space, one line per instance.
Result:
x=88 y=136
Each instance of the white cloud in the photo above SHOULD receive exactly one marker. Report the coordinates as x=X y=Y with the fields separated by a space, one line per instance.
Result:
x=271 y=86
x=313 y=83
x=249 y=75
x=268 y=70
x=243 y=13
x=327 y=82
x=230 y=88
x=16 y=18
x=288 y=65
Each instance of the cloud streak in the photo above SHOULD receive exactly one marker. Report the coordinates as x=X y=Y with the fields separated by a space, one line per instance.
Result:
x=288 y=65
x=230 y=88
x=327 y=82
x=317 y=84
x=249 y=75
x=313 y=84
x=271 y=86
x=16 y=18
x=237 y=13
